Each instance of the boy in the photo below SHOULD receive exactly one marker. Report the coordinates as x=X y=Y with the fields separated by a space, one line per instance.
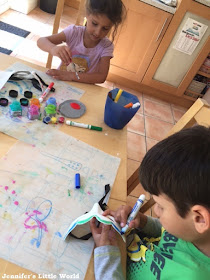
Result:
x=176 y=171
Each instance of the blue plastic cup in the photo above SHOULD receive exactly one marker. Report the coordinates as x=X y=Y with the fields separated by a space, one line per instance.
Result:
x=115 y=114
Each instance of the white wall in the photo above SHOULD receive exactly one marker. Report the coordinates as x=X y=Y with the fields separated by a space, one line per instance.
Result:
x=4 y=6
x=23 y=6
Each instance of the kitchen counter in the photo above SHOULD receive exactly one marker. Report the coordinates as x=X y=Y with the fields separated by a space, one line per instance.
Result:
x=161 y=5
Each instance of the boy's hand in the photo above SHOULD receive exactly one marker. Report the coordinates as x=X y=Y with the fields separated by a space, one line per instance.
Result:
x=63 y=52
x=103 y=235
x=121 y=216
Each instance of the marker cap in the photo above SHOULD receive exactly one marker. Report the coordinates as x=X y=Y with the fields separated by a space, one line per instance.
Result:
x=77 y=181
x=51 y=85
x=96 y=128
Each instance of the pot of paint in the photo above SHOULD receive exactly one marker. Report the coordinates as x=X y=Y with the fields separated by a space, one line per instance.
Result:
x=15 y=109
x=35 y=101
x=50 y=110
x=52 y=101
x=33 y=112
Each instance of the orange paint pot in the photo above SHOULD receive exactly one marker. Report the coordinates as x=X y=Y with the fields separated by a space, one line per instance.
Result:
x=35 y=101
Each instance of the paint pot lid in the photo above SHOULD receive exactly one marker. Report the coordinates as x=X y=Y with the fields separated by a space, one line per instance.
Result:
x=47 y=119
x=28 y=94
x=3 y=102
x=13 y=93
x=24 y=101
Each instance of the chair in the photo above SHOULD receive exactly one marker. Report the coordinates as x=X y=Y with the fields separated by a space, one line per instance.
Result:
x=81 y=20
x=58 y=13
x=198 y=113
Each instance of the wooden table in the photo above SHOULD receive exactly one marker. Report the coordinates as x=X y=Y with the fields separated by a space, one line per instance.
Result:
x=111 y=141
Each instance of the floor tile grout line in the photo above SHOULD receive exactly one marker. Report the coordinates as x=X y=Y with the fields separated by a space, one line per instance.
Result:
x=172 y=111
x=145 y=131
x=159 y=119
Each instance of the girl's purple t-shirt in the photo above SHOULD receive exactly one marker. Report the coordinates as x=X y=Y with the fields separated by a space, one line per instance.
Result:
x=87 y=58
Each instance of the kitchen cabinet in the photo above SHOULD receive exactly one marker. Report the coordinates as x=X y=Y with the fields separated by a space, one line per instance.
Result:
x=172 y=71
x=138 y=39
x=200 y=83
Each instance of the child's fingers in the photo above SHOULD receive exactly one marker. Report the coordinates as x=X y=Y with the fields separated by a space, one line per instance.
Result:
x=123 y=215
x=108 y=212
x=105 y=235
x=68 y=52
x=135 y=223
x=52 y=72
x=65 y=56
x=132 y=224
x=120 y=215
x=93 y=226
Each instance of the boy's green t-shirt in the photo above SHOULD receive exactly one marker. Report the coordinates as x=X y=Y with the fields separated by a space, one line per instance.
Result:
x=173 y=258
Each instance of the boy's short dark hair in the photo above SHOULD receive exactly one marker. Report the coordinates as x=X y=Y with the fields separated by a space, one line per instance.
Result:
x=179 y=167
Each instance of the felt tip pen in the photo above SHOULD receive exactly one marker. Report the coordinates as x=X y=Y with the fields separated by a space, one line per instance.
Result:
x=129 y=105
x=137 y=104
x=83 y=125
x=134 y=212
x=45 y=93
x=118 y=95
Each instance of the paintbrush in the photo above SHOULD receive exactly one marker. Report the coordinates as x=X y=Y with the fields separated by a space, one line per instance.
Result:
x=78 y=78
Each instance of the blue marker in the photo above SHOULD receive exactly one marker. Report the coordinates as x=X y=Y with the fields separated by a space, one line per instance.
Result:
x=134 y=212
x=77 y=181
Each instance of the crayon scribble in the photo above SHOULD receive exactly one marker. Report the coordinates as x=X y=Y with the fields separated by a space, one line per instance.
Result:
x=37 y=216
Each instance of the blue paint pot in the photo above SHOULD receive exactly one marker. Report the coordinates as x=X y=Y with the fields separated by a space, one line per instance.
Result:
x=115 y=114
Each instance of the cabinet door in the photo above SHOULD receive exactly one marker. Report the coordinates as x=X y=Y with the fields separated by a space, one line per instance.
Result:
x=137 y=39
x=172 y=70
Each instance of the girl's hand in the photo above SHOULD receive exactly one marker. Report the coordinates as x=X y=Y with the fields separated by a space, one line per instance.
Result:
x=121 y=216
x=63 y=52
x=103 y=235
x=61 y=75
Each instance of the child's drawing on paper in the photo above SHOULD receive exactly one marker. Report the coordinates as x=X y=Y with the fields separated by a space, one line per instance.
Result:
x=37 y=213
x=35 y=206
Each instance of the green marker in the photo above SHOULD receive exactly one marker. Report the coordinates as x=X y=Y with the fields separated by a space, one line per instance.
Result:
x=83 y=125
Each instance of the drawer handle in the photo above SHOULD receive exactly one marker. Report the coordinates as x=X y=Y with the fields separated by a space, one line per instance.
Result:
x=158 y=37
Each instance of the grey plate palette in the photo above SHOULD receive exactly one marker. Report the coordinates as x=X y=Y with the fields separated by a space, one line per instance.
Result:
x=72 y=109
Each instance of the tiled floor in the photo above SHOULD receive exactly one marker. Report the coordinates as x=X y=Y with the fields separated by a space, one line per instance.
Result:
x=150 y=124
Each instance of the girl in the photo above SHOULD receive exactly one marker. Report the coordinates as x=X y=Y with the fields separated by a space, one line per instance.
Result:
x=88 y=52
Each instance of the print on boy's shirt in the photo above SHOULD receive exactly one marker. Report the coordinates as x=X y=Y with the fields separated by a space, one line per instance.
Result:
x=139 y=244
x=142 y=251
x=158 y=263
x=79 y=63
